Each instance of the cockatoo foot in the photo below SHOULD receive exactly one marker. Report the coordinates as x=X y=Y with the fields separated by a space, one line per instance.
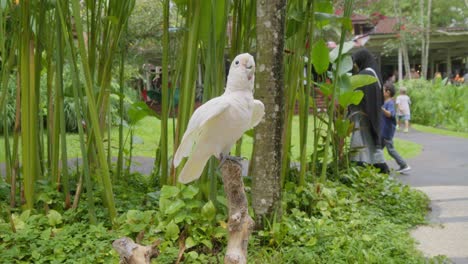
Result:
x=235 y=159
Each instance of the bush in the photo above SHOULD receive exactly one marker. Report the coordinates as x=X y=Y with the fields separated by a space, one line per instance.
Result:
x=438 y=105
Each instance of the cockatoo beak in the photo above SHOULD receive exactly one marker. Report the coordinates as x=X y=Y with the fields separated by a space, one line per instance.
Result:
x=250 y=68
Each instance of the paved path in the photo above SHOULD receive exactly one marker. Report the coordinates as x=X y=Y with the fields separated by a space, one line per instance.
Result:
x=441 y=171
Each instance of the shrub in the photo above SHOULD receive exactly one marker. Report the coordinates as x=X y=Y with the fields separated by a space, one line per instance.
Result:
x=438 y=105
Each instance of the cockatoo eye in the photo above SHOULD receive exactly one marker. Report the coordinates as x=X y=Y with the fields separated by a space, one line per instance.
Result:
x=237 y=62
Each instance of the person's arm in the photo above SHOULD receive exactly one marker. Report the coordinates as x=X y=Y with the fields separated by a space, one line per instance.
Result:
x=386 y=113
x=389 y=110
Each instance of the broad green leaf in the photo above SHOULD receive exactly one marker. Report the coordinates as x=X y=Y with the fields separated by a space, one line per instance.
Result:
x=189 y=242
x=172 y=231
x=25 y=215
x=342 y=127
x=320 y=56
x=360 y=80
x=297 y=15
x=55 y=218
x=18 y=221
x=168 y=191
x=209 y=211
x=207 y=243
x=189 y=192
x=312 y=241
x=347 y=46
x=322 y=205
x=346 y=65
x=174 y=207
x=164 y=204
x=350 y=97
x=138 y=111
x=326 y=89
x=344 y=84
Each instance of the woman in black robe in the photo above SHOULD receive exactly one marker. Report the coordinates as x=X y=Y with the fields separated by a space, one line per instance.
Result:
x=366 y=141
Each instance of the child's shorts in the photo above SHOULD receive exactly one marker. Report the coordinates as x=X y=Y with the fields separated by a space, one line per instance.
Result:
x=404 y=117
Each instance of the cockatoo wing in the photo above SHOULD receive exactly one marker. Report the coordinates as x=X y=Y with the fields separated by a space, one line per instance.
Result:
x=257 y=113
x=203 y=114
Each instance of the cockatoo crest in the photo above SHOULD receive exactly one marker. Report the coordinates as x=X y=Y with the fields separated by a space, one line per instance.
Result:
x=216 y=125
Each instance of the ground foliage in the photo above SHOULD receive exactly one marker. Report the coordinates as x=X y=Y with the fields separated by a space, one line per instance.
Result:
x=360 y=217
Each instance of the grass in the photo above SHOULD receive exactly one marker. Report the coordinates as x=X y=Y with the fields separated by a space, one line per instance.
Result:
x=439 y=131
x=147 y=133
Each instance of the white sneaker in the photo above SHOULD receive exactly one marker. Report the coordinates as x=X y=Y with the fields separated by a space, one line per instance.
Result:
x=404 y=169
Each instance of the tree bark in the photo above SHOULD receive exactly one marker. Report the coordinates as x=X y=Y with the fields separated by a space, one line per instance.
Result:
x=240 y=224
x=266 y=186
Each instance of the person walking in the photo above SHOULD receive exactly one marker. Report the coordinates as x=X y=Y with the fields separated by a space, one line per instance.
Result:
x=388 y=127
x=403 y=103
x=366 y=140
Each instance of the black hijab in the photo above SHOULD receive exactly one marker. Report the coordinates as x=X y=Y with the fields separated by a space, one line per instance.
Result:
x=372 y=102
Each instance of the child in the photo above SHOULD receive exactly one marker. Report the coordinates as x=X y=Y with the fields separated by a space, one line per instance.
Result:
x=388 y=127
x=403 y=111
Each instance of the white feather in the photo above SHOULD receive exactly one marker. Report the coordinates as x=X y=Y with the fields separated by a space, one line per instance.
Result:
x=216 y=125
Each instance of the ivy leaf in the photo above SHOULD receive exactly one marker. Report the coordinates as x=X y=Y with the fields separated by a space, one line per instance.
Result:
x=209 y=211
x=189 y=242
x=174 y=207
x=172 y=231
x=207 y=243
x=55 y=218
x=168 y=191
x=189 y=192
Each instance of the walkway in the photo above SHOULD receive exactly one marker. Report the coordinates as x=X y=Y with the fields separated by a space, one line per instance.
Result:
x=441 y=171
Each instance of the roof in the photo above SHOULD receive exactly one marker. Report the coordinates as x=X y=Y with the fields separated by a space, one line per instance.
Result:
x=386 y=25
x=355 y=18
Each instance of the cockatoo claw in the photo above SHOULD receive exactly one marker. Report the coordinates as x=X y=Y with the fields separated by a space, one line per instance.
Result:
x=235 y=159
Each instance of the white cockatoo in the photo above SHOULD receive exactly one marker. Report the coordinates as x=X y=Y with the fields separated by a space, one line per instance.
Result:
x=216 y=125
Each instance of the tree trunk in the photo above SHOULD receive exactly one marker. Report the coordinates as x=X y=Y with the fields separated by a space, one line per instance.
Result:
x=266 y=186
x=427 y=36
x=240 y=224
x=425 y=22
x=403 y=46
x=132 y=253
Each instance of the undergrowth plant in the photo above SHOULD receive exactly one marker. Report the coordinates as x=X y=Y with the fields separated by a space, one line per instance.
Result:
x=437 y=104
x=360 y=217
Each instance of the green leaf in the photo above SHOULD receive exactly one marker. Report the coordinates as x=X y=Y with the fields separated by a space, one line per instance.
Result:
x=347 y=46
x=326 y=89
x=312 y=241
x=189 y=192
x=209 y=211
x=351 y=97
x=172 y=231
x=168 y=191
x=320 y=56
x=189 y=242
x=138 y=111
x=360 y=80
x=322 y=205
x=25 y=215
x=346 y=65
x=207 y=243
x=174 y=207
x=344 y=83
x=55 y=218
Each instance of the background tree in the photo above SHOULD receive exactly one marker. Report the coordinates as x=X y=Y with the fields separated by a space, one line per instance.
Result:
x=266 y=187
